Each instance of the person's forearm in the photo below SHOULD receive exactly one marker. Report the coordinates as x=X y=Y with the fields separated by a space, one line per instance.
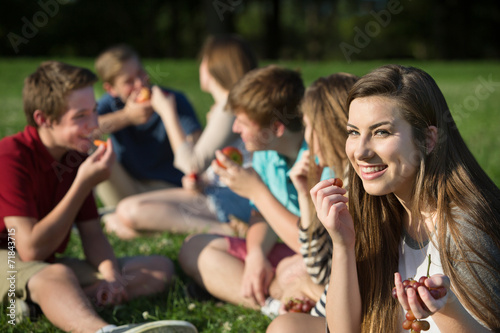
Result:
x=100 y=254
x=281 y=220
x=455 y=318
x=46 y=235
x=217 y=134
x=113 y=121
x=305 y=210
x=260 y=237
x=174 y=129
x=343 y=307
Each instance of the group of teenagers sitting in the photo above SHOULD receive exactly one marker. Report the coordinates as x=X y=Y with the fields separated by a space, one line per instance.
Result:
x=351 y=190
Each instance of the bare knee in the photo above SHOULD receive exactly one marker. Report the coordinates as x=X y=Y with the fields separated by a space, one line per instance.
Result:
x=126 y=210
x=279 y=324
x=193 y=247
x=296 y=322
x=49 y=279
x=189 y=253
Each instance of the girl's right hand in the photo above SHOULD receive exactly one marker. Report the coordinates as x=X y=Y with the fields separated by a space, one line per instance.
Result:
x=331 y=207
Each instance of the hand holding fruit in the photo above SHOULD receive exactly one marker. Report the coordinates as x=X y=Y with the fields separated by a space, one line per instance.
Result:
x=243 y=181
x=144 y=95
x=191 y=182
x=230 y=153
x=138 y=108
x=97 y=167
x=98 y=143
x=421 y=298
x=331 y=207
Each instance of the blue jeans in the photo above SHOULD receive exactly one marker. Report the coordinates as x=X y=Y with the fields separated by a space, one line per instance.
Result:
x=225 y=202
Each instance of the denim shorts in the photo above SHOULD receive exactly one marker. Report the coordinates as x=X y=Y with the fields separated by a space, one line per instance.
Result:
x=224 y=202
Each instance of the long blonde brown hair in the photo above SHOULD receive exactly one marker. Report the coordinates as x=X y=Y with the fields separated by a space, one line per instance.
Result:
x=228 y=57
x=325 y=106
x=449 y=179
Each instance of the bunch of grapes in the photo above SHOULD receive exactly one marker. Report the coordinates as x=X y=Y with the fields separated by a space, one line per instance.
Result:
x=415 y=325
x=412 y=323
x=298 y=305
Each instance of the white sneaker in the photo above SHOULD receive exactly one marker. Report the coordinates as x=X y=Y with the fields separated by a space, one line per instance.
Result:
x=271 y=307
x=26 y=310
x=160 y=326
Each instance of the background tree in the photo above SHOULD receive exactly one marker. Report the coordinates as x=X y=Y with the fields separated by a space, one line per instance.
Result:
x=293 y=29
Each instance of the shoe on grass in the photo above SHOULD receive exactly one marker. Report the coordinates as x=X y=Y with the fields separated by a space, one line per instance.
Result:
x=271 y=307
x=160 y=326
x=27 y=309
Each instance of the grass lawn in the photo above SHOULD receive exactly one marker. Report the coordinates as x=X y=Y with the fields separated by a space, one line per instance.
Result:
x=472 y=90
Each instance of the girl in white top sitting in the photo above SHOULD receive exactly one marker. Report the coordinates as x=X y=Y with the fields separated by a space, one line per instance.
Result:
x=414 y=189
x=203 y=203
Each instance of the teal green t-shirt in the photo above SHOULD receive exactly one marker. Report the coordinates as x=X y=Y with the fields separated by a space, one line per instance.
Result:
x=274 y=170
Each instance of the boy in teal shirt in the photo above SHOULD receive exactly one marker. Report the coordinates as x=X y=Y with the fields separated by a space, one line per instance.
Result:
x=266 y=104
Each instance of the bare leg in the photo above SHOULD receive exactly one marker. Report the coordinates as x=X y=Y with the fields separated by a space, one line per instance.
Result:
x=297 y=322
x=142 y=276
x=121 y=185
x=56 y=290
x=174 y=210
x=118 y=186
x=205 y=259
x=148 y=275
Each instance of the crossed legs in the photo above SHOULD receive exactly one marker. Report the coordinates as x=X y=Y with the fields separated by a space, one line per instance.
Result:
x=57 y=291
x=206 y=259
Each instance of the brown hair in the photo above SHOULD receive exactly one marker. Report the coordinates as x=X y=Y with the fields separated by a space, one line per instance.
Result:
x=268 y=94
x=109 y=63
x=228 y=58
x=448 y=178
x=47 y=88
x=324 y=104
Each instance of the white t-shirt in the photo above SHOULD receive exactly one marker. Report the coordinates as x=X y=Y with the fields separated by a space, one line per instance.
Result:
x=413 y=264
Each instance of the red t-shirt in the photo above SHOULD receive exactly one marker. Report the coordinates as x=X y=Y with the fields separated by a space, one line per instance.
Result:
x=32 y=182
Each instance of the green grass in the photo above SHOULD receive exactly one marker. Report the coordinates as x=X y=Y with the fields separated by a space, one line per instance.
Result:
x=459 y=81
x=208 y=316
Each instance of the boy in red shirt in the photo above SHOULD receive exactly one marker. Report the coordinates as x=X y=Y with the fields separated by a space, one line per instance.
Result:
x=47 y=181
